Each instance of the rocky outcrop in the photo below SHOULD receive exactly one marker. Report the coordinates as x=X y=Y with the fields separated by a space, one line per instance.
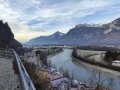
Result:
x=7 y=38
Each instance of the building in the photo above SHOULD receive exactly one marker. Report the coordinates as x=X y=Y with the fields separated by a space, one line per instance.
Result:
x=116 y=63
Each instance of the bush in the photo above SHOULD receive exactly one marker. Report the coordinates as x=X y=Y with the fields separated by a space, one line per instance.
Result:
x=39 y=83
x=110 y=56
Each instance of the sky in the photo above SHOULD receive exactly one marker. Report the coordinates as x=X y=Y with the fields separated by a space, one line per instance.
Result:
x=32 y=18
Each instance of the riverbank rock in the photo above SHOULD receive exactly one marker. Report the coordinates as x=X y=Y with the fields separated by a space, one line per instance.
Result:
x=7 y=38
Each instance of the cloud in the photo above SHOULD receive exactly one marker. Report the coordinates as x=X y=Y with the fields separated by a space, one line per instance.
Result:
x=31 y=18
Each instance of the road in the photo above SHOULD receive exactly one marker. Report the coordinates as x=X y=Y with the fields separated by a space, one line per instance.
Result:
x=8 y=79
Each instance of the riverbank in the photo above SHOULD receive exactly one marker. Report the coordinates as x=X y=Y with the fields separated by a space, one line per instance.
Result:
x=111 y=73
x=53 y=54
x=81 y=72
x=51 y=77
x=93 y=62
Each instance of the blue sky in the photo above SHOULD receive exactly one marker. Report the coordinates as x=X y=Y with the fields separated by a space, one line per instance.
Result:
x=33 y=18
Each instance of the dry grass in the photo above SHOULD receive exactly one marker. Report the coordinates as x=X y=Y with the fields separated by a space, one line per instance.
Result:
x=40 y=84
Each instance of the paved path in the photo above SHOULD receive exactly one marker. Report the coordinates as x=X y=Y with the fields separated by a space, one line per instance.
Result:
x=8 y=79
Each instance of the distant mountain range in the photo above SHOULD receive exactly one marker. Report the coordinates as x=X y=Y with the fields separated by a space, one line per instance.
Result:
x=83 y=34
x=46 y=40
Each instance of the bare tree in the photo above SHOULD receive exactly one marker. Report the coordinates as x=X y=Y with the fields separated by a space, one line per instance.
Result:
x=49 y=63
x=96 y=78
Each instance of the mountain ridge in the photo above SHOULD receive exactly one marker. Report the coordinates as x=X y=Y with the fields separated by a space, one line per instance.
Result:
x=51 y=39
x=90 y=34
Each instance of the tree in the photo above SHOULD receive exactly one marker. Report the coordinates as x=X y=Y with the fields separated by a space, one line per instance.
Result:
x=96 y=78
x=107 y=56
x=66 y=74
x=42 y=57
x=110 y=56
x=49 y=63
x=74 y=53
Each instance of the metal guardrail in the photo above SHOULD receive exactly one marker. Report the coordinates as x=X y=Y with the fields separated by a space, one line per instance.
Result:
x=26 y=82
x=9 y=54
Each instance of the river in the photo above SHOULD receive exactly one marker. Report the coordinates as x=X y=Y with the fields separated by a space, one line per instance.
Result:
x=82 y=71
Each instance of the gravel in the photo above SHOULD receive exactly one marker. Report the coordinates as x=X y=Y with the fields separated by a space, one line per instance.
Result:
x=8 y=79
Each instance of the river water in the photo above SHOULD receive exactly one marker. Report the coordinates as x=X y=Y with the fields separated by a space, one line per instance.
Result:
x=82 y=71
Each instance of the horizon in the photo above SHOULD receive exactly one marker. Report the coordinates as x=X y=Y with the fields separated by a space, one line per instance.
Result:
x=43 y=17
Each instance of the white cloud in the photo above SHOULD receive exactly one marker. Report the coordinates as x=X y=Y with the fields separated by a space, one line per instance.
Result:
x=18 y=13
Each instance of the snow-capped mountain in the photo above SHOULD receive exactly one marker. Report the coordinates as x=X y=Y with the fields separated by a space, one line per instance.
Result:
x=85 y=34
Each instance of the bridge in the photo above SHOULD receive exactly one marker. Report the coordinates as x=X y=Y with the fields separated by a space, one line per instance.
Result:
x=8 y=79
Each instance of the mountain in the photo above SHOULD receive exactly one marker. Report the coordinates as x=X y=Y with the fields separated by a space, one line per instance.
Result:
x=88 y=34
x=93 y=34
x=7 y=38
x=83 y=34
x=45 y=40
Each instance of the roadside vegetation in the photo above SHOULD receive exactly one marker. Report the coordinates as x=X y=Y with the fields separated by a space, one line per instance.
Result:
x=40 y=83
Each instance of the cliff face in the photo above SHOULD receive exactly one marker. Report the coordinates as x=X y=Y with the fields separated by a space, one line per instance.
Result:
x=7 y=38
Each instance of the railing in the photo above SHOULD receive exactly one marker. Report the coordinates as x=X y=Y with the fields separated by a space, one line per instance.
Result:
x=7 y=53
x=26 y=82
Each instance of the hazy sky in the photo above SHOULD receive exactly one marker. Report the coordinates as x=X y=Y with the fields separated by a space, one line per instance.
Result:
x=33 y=18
